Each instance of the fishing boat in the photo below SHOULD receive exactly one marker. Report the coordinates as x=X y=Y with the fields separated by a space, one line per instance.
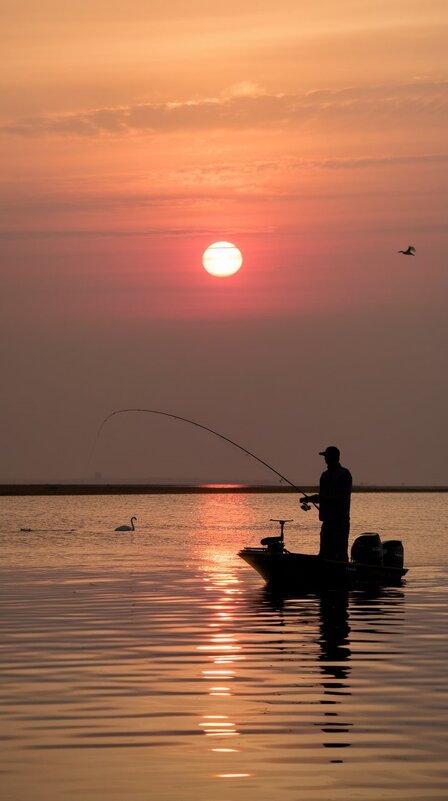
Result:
x=372 y=563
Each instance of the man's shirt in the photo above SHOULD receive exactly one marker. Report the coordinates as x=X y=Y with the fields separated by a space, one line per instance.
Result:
x=334 y=495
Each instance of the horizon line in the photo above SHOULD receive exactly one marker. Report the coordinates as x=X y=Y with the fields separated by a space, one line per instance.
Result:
x=119 y=488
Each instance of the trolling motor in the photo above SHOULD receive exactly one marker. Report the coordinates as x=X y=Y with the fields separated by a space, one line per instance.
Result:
x=276 y=544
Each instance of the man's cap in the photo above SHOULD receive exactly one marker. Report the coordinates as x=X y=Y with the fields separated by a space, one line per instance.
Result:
x=331 y=450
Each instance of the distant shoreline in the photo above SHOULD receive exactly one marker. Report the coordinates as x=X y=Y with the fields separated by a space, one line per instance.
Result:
x=182 y=489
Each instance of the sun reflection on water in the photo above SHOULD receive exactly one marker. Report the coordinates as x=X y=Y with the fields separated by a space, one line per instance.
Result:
x=223 y=650
x=221 y=647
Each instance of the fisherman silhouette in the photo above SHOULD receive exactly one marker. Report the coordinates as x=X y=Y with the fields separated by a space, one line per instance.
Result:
x=334 y=506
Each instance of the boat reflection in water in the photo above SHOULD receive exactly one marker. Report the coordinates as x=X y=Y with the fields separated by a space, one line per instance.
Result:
x=331 y=641
x=325 y=619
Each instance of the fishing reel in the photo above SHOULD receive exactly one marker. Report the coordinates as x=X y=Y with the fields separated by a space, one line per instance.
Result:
x=305 y=506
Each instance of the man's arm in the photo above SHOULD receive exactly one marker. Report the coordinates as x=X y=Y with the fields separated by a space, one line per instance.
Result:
x=310 y=499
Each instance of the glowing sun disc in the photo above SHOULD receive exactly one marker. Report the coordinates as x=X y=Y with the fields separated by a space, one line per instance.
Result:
x=222 y=259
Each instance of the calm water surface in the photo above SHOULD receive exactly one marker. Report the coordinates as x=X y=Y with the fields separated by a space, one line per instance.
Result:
x=153 y=665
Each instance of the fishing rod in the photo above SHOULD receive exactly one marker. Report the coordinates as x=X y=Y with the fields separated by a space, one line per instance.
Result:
x=305 y=506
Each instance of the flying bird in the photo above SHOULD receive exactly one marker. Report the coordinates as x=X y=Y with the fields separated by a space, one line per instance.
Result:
x=409 y=252
x=127 y=528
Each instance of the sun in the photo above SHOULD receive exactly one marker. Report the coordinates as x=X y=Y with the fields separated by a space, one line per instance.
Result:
x=222 y=259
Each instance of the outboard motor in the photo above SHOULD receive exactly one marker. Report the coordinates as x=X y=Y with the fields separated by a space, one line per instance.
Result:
x=393 y=553
x=367 y=549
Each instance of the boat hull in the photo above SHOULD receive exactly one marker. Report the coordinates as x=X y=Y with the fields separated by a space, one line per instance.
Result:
x=288 y=571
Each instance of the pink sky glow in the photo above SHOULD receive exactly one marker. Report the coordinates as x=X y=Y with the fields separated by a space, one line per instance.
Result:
x=313 y=137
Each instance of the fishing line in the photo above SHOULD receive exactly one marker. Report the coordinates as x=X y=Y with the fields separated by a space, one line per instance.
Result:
x=204 y=428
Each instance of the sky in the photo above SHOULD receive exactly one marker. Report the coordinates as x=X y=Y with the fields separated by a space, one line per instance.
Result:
x=313 y=136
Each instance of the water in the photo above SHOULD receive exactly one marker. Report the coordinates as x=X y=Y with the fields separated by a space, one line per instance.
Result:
x=153 y=666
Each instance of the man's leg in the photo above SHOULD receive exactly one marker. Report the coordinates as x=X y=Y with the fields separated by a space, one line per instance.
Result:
x=334 y=541
x=341 y=542
x=325 y=551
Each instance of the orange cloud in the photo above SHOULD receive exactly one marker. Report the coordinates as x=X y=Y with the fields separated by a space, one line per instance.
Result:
x=416 y=102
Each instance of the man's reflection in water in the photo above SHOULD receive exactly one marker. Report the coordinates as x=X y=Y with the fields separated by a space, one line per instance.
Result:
x=334 y=630
x=343 y=616
x=334 y=636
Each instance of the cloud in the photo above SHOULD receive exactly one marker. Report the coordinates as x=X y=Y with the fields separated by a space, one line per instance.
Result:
x=372 y=161
x=244 y=89
x=13 y=235
x=193 y=188
x=224 y=173
x=245 y=106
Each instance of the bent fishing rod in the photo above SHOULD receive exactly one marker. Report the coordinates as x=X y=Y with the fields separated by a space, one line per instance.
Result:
x=305 y=506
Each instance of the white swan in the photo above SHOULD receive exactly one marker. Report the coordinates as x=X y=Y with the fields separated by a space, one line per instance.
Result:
x=127 y=528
